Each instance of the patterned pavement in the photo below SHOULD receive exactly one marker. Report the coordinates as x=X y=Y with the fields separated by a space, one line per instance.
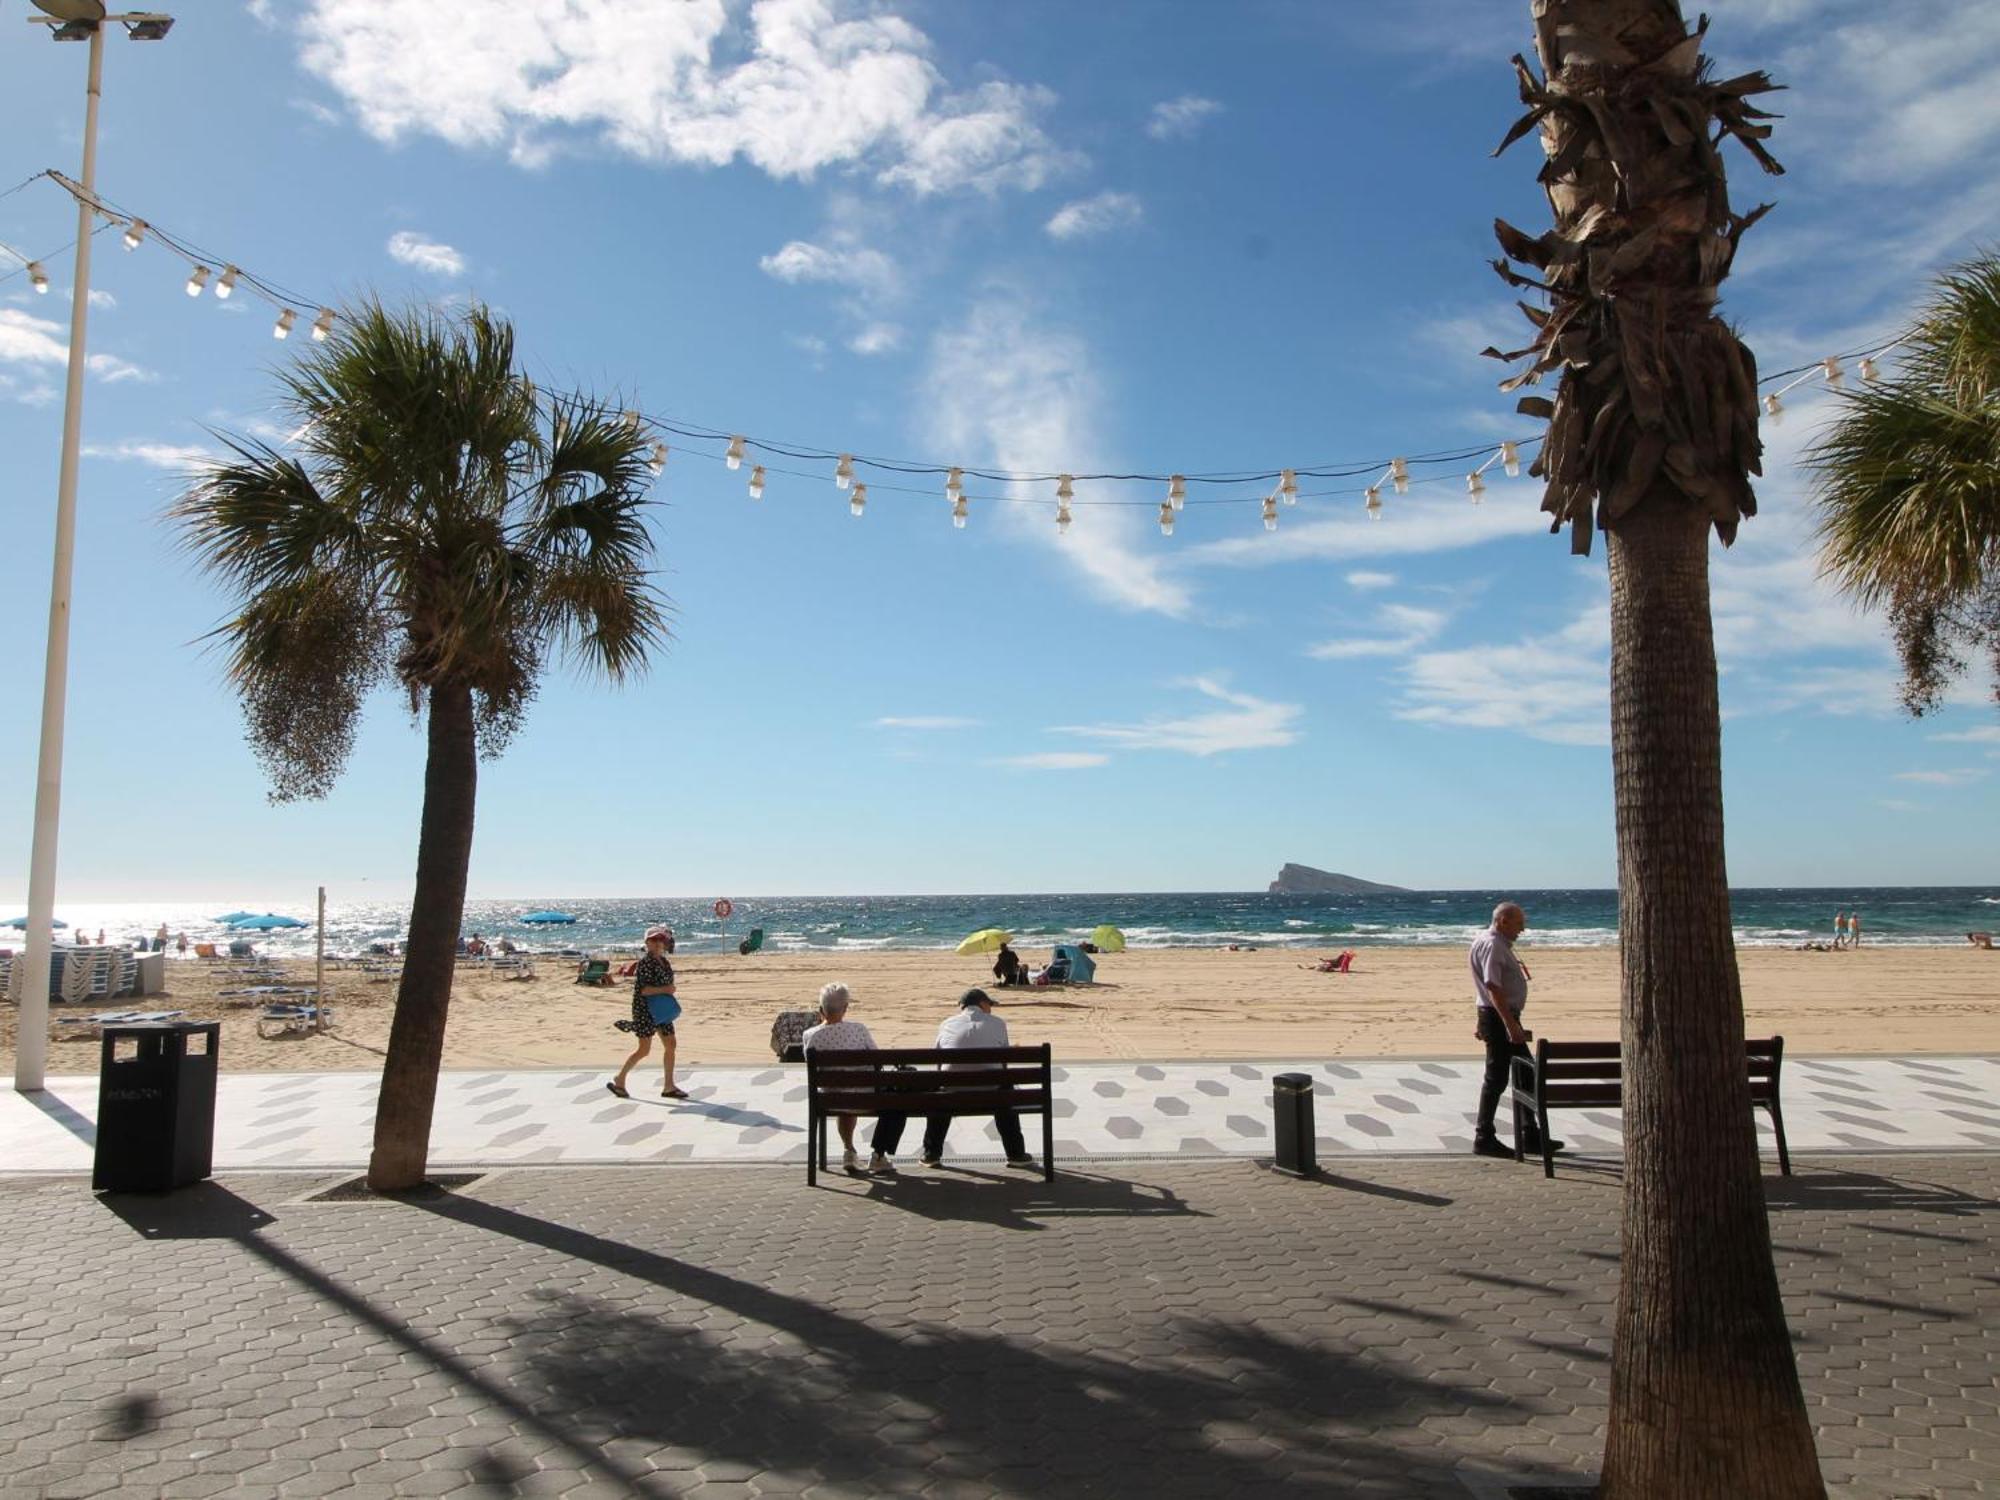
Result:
x=1104 y=1110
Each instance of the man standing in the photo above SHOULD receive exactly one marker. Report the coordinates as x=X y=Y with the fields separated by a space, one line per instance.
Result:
x=975 y=1025
x=1500 y=985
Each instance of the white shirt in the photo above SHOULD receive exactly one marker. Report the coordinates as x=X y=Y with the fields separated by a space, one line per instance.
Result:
x=838 y=1036
x=972 y=1027
x=1493 y=963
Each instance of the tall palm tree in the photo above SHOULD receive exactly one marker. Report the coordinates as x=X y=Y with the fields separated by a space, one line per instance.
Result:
x=1907 y=484
x=1652 y=436
x=439 y=526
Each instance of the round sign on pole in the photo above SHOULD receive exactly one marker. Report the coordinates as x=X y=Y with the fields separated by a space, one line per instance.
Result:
x=724 y=907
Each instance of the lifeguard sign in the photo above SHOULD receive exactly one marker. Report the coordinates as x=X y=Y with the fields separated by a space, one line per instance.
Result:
x=724 y=907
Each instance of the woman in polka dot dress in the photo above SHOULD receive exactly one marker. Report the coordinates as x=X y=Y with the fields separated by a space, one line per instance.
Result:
x=654 y=976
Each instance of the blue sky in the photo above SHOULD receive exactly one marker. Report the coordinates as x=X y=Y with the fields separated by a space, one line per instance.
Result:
x=1128 y=236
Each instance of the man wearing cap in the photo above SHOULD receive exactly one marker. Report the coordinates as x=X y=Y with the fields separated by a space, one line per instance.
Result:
x=975 y=1025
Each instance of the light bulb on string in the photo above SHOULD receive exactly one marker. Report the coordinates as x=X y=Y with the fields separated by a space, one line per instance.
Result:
x=227 y=283
x=197 y=281
x=954 y=485
x=1288 y=487
x=1774 y=408
x=1374 y=502
x=631 y=420
x=1475 y=486
x=1868 y=370
x=1270 y=513
x=1177 y=492
x=1065 y=492
x=1399 y=471
x=38 y=278
x=958 y=513
x=1166 y=519
x=1835 y=376
x=858 y=500
x=282 y=329
x=843 y=472
x=734 y=457
x=322 y=325
x=657 y=459
x=134 y=232
x=756 y=481
x=1510 y=459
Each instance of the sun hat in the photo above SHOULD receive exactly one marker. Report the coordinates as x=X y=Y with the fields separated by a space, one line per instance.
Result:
x=976 y=997
x=659 y=930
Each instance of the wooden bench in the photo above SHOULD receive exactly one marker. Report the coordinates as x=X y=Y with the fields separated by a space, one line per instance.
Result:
x=1586 y=1075
x=913 y=1081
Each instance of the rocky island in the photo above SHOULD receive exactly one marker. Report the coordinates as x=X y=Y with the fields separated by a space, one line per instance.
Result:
x=1304 y=880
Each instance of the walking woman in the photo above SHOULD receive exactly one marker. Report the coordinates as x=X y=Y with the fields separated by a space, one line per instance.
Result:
x=654 y=976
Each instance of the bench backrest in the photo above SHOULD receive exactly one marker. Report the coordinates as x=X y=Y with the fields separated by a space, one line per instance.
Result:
x=1592 y=1072
x=977 y=1080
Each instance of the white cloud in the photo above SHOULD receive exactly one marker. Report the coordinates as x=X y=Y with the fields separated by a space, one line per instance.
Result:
x=1246 y=723
x=1055 y=760
x=1900 y=804
x=1097 y=215
x=1178 y=118
x=1363 y=579
x=1986 y=734
x=1960 y=776
x=849 y=265
x=1553 y=687
x=173 y=456
x=1412 y=627
x=1013 y=394
x=432 y=256
x=1417 y=523
x=877 y=338
x=925 y=721
x=792 y=87
x=28 y=340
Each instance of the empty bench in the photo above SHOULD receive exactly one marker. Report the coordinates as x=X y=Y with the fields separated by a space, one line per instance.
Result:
x=1591 y=1075
x=914 y=1081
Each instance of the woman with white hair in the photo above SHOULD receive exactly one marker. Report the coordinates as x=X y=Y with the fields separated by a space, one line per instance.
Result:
x=835 y=1033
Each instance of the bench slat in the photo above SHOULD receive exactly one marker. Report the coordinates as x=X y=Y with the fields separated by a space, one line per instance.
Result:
x=1580 y=1095
x=891 y=1079
x=955 y=1102
x=1609 y=1068
x=849 y=1058
x=1578 y=1049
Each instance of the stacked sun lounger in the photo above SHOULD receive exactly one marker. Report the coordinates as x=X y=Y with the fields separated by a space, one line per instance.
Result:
x=78 y=975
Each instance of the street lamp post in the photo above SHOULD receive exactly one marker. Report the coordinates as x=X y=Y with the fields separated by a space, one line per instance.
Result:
x=70 y=21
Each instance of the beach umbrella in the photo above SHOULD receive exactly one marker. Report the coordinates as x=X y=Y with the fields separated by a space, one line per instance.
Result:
x=548 y=917
x=986 y=940
x=23 y=922
x=236 y=916
x=1108 y=939
x=267 y=922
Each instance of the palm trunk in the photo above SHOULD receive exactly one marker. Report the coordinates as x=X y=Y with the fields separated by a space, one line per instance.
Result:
x=1705 y=1397
x=423 y=999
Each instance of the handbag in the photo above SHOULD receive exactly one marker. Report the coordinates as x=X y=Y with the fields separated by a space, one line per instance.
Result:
x=664 y=1009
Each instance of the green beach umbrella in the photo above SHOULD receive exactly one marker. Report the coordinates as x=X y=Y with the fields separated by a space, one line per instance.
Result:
x=1108 y=939
x=986 y=940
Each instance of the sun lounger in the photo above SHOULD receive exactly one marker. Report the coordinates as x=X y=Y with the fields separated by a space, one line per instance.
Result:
x=117 y=1018
x=596 y=971
x=293 y=1020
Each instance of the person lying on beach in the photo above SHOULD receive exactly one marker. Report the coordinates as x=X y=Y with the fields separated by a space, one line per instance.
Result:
x=1340 y=965
x=1981 y=940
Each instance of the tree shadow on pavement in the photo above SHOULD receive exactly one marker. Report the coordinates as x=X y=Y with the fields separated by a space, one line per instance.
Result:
x=1860 y=1192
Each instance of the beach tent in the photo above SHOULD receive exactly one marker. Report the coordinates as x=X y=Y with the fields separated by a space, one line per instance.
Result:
x=1082 y=967
x=1108 y=939
x=986 y=940
x=267 y=922
x=549 y=917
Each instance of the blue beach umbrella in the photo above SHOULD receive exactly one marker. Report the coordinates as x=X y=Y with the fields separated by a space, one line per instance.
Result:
x=266 y=922
x=23 y=922
x=235 y=916
x=549 y=917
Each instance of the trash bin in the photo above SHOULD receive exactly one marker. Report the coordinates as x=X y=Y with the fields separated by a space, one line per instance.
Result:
x=156 y=1106
x=1292 y=1103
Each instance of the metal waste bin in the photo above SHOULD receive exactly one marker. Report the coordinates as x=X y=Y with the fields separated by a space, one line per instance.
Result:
x=1292 y=1104
x=156 y=1106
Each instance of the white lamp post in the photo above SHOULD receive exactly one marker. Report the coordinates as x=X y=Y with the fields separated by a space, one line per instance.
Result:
x=69 y=21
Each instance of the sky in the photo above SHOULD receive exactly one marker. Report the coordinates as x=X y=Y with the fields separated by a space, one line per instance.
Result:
x=1135 y=237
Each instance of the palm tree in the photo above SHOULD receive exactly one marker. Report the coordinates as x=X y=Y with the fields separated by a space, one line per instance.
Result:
x=1652 y=436
x=1907 y=483
x=442 y=527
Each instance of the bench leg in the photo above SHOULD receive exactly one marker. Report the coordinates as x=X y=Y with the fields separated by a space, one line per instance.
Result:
x=1778 y=1129
x=812 y=1149
x=1519 y=1154
x=1048 y=1145
x=1548 y=1156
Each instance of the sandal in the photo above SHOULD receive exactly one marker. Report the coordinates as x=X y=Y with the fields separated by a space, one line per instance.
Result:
x=673 y=1093
x=618 y=1089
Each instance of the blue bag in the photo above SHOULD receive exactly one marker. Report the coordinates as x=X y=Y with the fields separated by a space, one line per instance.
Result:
x=664 y=1009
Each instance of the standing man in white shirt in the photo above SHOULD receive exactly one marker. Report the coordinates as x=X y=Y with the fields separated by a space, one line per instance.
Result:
x=975 y=1025
x=1500 y=985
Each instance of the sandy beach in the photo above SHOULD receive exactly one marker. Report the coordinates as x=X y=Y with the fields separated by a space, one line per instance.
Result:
x=1150 y=1004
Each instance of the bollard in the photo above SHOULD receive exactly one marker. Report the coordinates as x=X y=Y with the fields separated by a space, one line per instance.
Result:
x=1292 y=1103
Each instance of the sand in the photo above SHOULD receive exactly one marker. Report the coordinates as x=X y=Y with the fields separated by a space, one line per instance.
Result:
x=1155 y=1004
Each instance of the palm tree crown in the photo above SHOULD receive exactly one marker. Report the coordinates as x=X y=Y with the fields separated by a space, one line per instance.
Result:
x=1907 y=483
x=437 y=523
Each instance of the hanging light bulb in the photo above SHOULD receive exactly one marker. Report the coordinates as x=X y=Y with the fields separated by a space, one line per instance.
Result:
x=1399 y=471
x=858 y=501
x=958 y=513
x=1270 y=513
x=282 y=329
x=1065 y=492
x=756 y=481
x=1374 y=502
x=843 y=472
x=1177 y=492
x=1774 y=408
x=1510 y=459
x=228 y=282
x=734 y=457
x=197 y=281
x=38 y=278
x=1835 y=376
x=322 y=325
x=134 y=232
x=1475 y=486
x=1288 y=487
x=954 y=485
x=657 y=459
x=631 y=419
x=1166 y=519
x=1868 y=371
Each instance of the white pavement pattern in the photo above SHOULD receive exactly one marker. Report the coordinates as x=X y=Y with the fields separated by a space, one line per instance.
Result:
x=737 y=1114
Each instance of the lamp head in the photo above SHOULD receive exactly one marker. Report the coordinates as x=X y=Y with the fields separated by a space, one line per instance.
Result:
x=148 y=28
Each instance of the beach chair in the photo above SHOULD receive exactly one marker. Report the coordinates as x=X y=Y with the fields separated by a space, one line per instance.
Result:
x=96 y=1023
x=752 y=943
x=205 y=950
x=595 y=971
x=292 y=1020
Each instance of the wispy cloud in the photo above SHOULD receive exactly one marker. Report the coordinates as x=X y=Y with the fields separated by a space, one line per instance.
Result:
x=1088 y=217
x=433 y=257
x=1363 y=579
x=28 y=340
x=1177 y=119
x=849 y=265
x=877 y=338
x=1985 y=734
x=1958 y=776
x=792 y=87
x=1552 y=687
x=1054 y=760
x=1246 y=722
x=172 y=456
x=925 y=721
x=1410 y=625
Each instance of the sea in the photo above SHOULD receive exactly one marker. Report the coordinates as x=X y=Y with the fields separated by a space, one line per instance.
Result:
x=1893 y=916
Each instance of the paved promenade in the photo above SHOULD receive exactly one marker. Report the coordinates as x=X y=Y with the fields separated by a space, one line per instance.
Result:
x=1407 y=1328
x=1185 y=1109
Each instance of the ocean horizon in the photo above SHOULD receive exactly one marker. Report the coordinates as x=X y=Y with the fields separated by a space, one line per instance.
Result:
x=1763 y=917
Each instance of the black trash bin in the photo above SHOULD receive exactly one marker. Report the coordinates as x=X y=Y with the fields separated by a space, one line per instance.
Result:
x=1292 y=1103
x=156 y=1106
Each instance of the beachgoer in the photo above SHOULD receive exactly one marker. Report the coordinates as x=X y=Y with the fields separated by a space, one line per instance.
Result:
x=1981 y=940
x=835 y=1033
x=100 y=937
x=1007 y=965
x=1854 y=929
x=1839 y=930
x=160 y=939
x=975 y=1025
x=654 y=976
x=1500 y=985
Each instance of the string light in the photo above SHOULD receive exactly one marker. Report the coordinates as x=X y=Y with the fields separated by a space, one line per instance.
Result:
x=1065 y=492
x=858 y=500
x=134 y=232
x=1288 y=486
x=228 y=282
x=756 y=481
x=38 y=278
x=1835 y=376
x=954 y=485
x=1510 y=459
x=322 y=325
x=958 y=513
x=1399 y=471
x=1374 y=502
x=1166 y=519
x=631 y=421
x=1774 y=408
x=657 y=459
x=283 y=328
x=1475 y=485
x=1177 y=492
x=843 y=472
x=197 y=281
x=734 y=457
x=1270 y=513
x=1868 y=371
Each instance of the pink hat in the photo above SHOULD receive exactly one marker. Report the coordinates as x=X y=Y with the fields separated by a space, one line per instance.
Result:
x=660 y=930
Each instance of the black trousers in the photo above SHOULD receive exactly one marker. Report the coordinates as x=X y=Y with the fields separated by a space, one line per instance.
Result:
x=889 y=1133
x=1500 y=1055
